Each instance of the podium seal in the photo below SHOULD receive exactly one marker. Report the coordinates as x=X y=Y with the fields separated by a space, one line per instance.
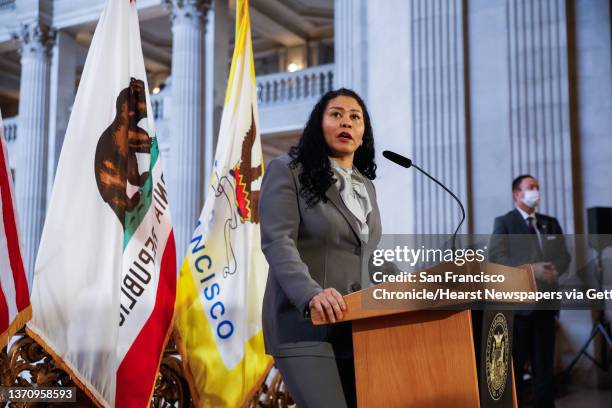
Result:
x=497 y=356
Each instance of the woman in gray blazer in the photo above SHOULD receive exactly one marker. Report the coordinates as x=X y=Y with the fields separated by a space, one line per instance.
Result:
x=319 y=221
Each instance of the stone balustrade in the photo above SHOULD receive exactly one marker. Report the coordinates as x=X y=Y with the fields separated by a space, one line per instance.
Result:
x=287 y=87
x=10 y=129
x=7 y=4
x=278 y=88
x=157 y=105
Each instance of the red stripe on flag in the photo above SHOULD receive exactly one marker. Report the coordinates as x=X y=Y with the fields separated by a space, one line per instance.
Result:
x=22 y=292
x=137 y=372
x=4 y=314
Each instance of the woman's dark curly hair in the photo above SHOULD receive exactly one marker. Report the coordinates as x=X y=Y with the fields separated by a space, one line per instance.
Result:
x=312 y=152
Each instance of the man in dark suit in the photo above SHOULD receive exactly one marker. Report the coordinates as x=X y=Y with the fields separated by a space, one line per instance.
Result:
x=520 y=237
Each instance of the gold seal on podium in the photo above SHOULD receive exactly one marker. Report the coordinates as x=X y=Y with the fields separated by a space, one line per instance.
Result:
x=497 y=356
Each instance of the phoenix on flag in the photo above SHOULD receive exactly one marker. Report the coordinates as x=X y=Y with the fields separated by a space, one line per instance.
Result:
x=222 y=278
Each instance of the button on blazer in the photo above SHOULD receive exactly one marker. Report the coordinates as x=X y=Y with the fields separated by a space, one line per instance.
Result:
x=308 y=249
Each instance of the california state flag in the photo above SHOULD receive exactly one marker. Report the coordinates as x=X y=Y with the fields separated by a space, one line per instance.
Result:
x=105 y=276
x=222 y=279
x=15 y=309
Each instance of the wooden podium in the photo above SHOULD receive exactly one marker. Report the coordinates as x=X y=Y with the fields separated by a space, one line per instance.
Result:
x=406 y=356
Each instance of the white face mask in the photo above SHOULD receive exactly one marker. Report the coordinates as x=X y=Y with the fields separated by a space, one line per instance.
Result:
x=531 y=198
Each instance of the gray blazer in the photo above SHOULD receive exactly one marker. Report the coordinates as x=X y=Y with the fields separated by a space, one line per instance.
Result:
x=308 y=249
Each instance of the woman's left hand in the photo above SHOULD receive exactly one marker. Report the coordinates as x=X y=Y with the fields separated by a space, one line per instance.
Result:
x=329 y=304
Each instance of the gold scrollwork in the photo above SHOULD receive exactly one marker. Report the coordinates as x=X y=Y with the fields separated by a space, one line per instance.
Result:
x=27 y=364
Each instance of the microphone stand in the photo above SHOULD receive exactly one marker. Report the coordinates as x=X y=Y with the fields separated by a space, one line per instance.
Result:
x=600 y=327
x=407 y=163
x=452 y=194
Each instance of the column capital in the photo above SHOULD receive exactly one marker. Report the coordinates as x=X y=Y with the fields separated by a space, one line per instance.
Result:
x=189 y=11
x=35 y=39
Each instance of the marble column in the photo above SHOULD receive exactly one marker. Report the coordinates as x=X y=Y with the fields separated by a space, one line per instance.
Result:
x=594 y=101
x=35 y=46
x=187 y=159
x=389 y=100
x=351 y=45
x=520 y=103
x=491 y=174
x=217 y=71
x=540 y=140
x=62 y=89
x=438 y=128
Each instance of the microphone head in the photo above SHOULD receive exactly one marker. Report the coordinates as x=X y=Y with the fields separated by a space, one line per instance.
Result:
x=397 y=158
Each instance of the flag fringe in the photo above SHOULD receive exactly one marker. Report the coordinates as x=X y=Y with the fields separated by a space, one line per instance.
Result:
x=64 y=366
x=20 y=320
x=190 y=381
x=163 y=349
x=195 y=396
x=257 y=384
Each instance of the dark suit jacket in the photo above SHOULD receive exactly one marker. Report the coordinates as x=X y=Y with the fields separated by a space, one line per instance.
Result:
x=308 y=249
x=513 y=245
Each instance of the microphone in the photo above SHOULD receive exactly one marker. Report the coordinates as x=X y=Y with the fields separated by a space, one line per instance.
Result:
x=397 y=159
x=407 y=163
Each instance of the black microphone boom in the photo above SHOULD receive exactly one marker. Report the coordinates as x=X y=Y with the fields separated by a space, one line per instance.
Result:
x=407 y=163
x=398 y=159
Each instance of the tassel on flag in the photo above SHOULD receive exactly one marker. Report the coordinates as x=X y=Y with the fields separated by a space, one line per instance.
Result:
x=105 y=277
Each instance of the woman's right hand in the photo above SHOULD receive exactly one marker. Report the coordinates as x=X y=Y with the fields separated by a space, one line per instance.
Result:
x=329 y=304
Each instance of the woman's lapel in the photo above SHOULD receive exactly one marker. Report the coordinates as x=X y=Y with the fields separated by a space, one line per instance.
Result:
x=371 y=218
x=333 y=195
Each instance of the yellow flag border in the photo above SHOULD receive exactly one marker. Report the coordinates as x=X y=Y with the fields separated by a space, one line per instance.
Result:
x=242 y=39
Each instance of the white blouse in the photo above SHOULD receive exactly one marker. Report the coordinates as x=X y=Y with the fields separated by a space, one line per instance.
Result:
x=353 y=193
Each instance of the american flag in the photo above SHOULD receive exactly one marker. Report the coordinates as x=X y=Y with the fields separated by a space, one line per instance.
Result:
x=15 y=308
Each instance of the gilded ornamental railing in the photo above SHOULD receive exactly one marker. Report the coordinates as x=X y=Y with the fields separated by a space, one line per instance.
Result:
x=26 y=364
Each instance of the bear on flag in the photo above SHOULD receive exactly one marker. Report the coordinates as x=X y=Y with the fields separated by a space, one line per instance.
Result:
x=105 y=277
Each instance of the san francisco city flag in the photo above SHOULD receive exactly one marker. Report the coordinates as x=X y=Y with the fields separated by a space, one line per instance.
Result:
x=15 y=307
x=222 y=279
x=105 y=277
